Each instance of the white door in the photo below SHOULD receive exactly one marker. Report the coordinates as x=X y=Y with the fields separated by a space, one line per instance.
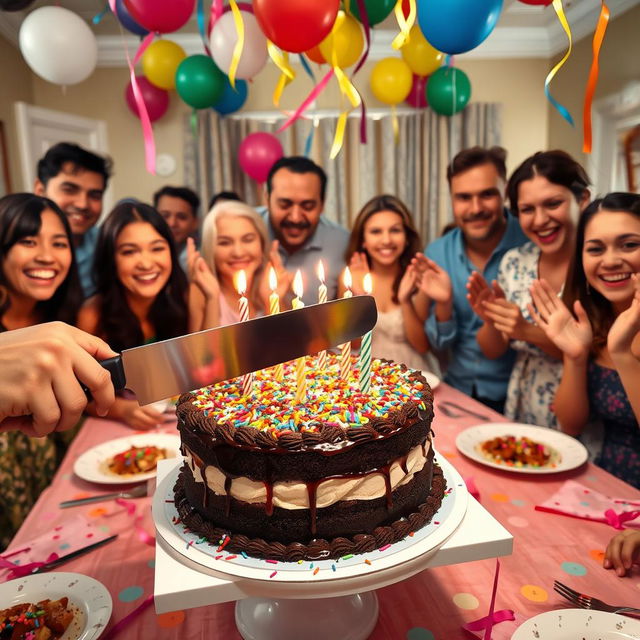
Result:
x=39 y=129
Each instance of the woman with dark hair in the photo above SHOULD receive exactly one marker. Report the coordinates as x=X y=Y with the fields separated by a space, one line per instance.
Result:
x=600 y=341
x=383 y=242
x=546 y=193
x=38 y=283
x=141 y=291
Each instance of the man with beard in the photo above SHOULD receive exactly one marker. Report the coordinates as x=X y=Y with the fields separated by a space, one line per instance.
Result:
x=75 y=179
x=484 y=233
x=295 y=194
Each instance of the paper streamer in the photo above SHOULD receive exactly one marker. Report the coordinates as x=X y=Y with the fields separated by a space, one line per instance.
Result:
x=315 y=92
x=598 y=37
x=237 y=50
x=201 y=26
x=128 y=619
x=287 y=74
x=617 y=520
x=19 y=571
x=563 y=111
x=308 y=143
x=98 y=17
x=131 y=509
x=362 y=8
x=405 y=24
x=349 y=92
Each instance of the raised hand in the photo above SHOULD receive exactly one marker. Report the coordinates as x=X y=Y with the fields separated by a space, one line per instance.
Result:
x=359 y=267
x=572 y=335
x=199 y=273
x=626 y=325
x=408 y=284
x=479 y=292
x=435 y=282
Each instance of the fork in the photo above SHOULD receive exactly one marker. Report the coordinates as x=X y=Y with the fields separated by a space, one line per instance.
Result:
x=587 y=602
x=137 y=492
x=445 y=406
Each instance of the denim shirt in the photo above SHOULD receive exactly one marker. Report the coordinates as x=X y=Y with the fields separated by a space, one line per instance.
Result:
x=84 y=259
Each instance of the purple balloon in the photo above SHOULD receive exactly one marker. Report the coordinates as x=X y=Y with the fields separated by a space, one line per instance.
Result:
x=257 y=154
x=127 y=21
x=418 y=95
x=155 y=99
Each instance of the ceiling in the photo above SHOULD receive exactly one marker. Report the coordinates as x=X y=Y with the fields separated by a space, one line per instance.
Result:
x=523 y=31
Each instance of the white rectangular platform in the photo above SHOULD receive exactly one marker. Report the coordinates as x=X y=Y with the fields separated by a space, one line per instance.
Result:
x=177 y=586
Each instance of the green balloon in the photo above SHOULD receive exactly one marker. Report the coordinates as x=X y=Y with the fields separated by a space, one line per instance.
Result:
x=448 y=90
x=377 y=10
x=199 y=82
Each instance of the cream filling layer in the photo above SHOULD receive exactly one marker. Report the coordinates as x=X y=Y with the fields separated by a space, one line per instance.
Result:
x=295 y=495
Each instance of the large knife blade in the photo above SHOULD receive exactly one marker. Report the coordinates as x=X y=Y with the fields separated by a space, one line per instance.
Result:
x=165 y=369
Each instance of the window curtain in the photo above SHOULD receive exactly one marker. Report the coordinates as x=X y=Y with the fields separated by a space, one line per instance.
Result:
x=411 y=166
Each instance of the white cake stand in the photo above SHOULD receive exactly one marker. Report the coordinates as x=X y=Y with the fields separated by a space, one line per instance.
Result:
x=328 y=599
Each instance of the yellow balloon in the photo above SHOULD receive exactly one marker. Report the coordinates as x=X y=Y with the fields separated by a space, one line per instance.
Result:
x=160 y=62
x=391 y=80
x=345 y=40
x=418 y=53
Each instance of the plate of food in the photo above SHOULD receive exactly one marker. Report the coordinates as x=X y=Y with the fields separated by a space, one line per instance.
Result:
x=432 y=379
x=125 y=460
x=69 y=605
x=521 y=448
x=569 y=624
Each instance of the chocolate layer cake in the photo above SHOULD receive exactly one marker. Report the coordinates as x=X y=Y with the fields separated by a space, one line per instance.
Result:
x=343 y=473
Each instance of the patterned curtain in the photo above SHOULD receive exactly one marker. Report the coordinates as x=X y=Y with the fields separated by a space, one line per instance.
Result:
x=412 y=167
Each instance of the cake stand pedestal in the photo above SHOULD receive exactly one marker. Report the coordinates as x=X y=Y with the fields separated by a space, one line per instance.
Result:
x=299 y=606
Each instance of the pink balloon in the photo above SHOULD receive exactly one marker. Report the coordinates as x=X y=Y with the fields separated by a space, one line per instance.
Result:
x=418 y=96
x=155 y=99
x=257 y=154
x=163 y=16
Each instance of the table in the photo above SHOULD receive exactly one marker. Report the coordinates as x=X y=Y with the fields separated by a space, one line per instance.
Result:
x=433 y=604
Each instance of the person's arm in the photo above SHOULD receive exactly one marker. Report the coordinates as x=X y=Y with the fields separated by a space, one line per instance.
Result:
x=204 y=292
x=42 y=369
x=413 y=324
x=571 y=402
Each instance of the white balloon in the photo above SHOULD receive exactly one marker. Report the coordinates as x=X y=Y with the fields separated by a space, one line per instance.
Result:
x=224 y=38
x=58 y=45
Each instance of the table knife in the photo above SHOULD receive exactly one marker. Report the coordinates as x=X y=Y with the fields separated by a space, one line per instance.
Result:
x=74 y=554
x=171 y=367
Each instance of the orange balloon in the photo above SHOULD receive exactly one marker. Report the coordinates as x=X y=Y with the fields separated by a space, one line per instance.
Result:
x=315 y=55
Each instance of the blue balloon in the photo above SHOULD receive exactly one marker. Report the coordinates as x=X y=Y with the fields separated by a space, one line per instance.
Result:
x=456 y=26
x=125 y=19
x=231 y=99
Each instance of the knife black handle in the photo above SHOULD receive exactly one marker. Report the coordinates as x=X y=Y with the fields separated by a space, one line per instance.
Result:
x=115 y=368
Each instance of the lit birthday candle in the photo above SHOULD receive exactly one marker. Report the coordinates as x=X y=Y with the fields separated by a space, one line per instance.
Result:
x=365 y=347
x=274 y=307
x=243 y=306
x=301 y=373
x=345 y=349
x=322 y=298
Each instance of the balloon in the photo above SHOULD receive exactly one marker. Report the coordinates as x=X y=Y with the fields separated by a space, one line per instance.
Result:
x=294 y=25
x=160 y=61
x=223 y=40
x=257 y=154
x=125 y=19
x=156 y=100
x=163 y=16
x=14 y=5
x=421 y=57
x=377 y=10
x=232 y=100
x=346 y=39
x=448 y=90
x=418 y=95
x=58 y=45
x=199 y=82
x=315 y=55
x=391 y=80
x=456 y=26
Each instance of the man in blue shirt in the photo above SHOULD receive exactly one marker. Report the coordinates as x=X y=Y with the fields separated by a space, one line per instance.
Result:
x=295 y=190
x=484 y=233
x=75 y=179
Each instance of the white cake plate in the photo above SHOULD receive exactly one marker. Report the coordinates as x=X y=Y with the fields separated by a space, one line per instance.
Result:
x=278 y=600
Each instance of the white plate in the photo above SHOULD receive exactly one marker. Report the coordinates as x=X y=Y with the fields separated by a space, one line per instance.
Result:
x=432 y=379
x=92 y=465
x=572 y=452
x=89 y=598
x=571 y=624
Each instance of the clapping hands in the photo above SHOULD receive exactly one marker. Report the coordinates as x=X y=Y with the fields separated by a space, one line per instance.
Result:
x=199 y=272
x=433 y=280
x=626 y=326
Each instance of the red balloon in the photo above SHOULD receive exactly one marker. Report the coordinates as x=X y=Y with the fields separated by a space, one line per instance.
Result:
x=155 y=99
x=418 y=95
x=296 y=26
x=257 y=154
x=162 y=16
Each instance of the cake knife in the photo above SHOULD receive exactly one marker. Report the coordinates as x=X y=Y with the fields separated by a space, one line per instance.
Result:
x=171 y=367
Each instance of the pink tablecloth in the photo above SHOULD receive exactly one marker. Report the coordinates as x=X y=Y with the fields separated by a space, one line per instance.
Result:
x=433 y=604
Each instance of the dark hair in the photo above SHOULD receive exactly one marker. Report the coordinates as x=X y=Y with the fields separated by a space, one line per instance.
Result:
x=53 y=161
x=184 y=193
x=377 y=204
x=21 y=217
x=558 y=167
x=223 y=195
x=476 y=156
x=298 y=164
x=598 y=308
x=118 y=324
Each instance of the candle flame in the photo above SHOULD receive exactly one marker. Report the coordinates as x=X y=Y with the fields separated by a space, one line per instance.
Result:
x=367 y=284
x=240 y=281
x=346 y=278
x=320 y=271
x=273 y=279
x=297 y=284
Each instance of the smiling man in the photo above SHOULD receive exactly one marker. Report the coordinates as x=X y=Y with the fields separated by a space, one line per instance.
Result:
x=75 y=179
x=296 y=189
x=483 y=234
